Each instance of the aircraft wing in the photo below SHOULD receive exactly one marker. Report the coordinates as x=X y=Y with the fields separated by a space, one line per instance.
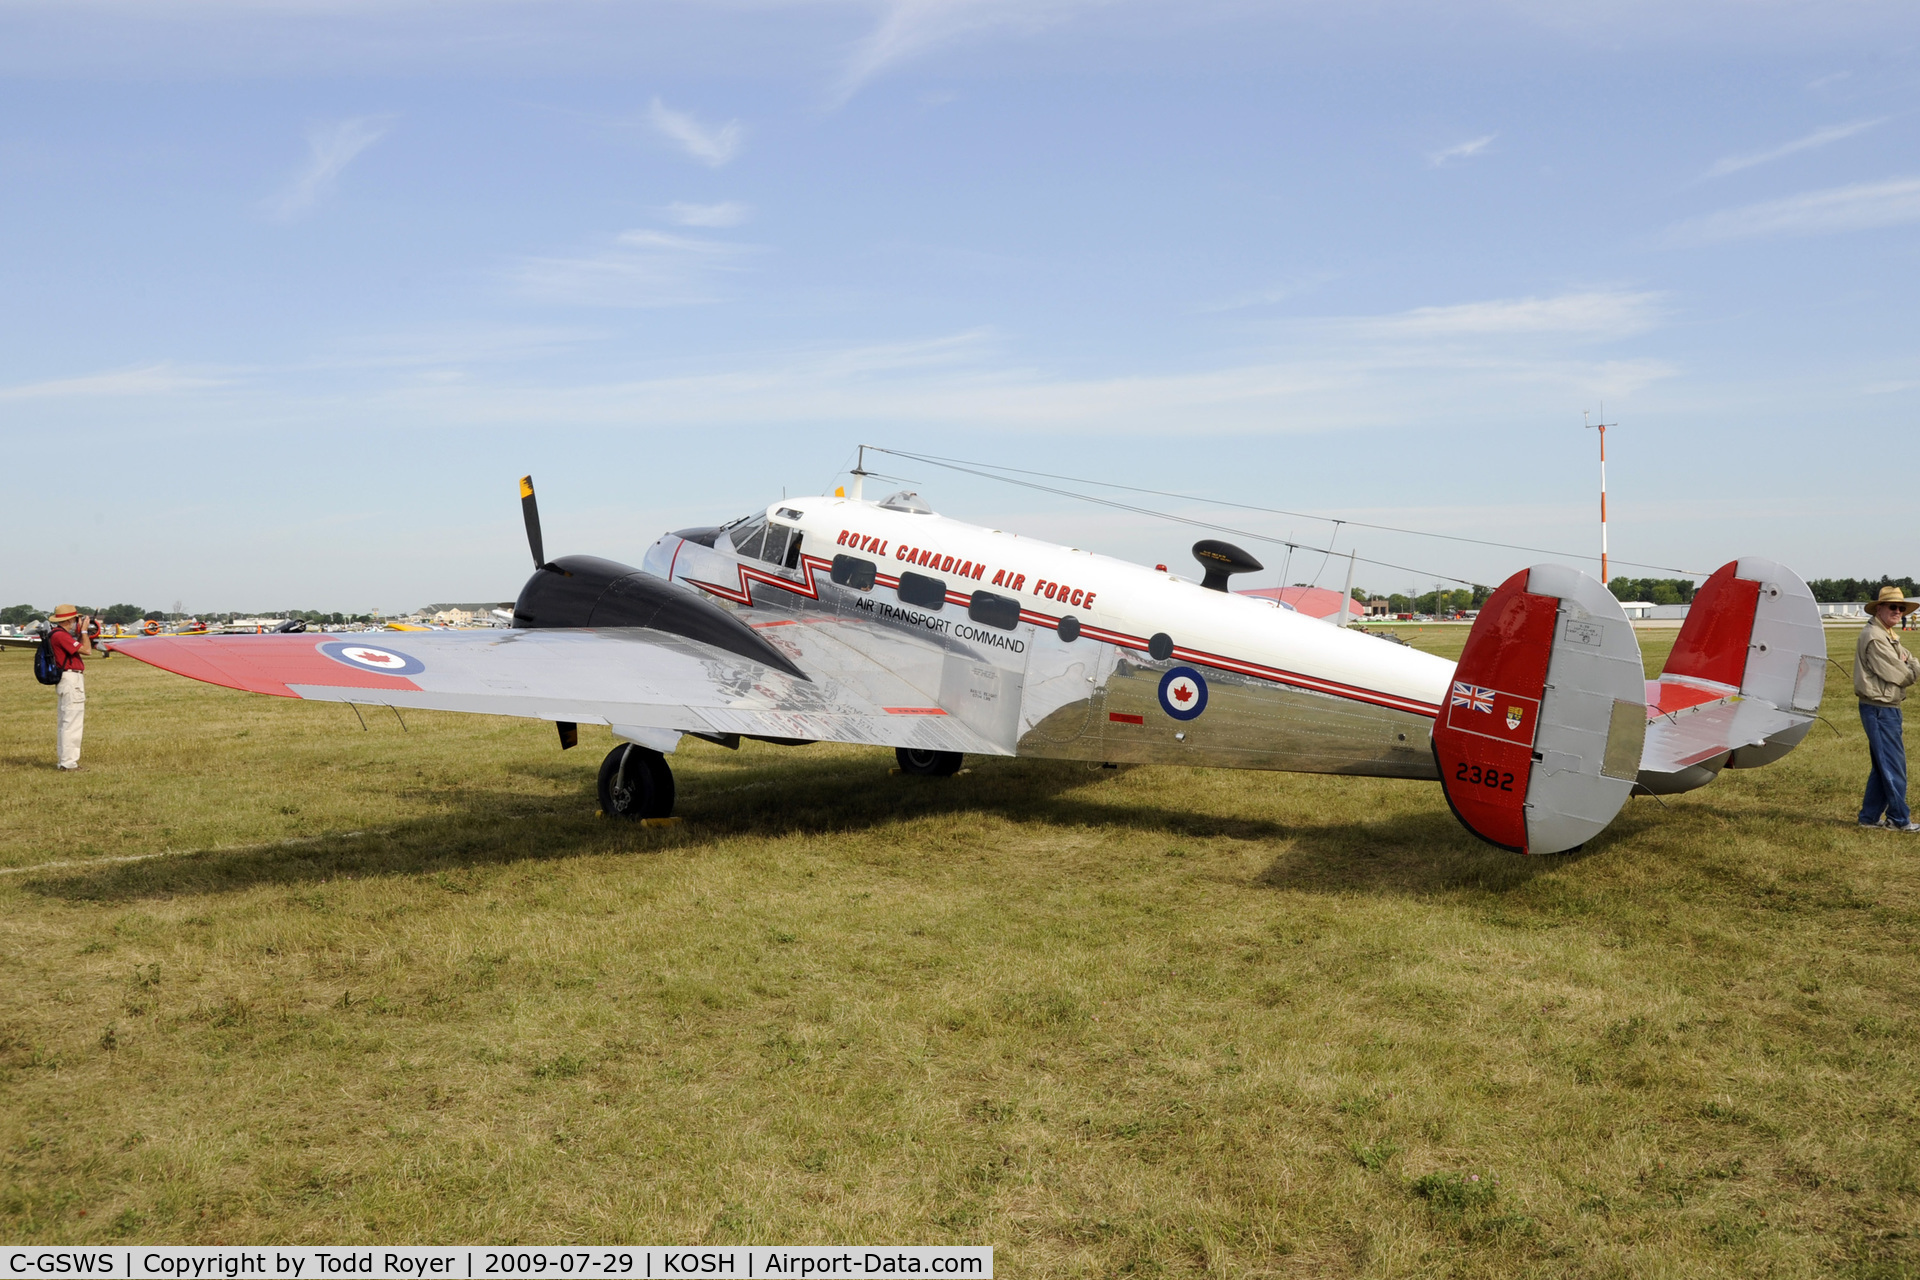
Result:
x=629 y=678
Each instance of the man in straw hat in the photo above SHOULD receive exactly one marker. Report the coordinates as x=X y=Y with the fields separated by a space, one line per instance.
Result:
x=70 y=641
x=1883 y=671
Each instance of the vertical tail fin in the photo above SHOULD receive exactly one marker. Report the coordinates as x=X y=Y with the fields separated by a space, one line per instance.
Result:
x=1539 y=742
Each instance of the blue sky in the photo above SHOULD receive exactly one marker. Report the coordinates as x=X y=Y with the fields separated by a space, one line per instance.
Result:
x=291 y=291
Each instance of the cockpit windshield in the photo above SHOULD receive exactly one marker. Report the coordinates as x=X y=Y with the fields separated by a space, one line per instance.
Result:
x=759 y=538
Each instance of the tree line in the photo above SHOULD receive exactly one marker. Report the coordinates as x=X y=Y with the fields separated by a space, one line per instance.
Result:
x=1653 y=590
x=122 y=615
x=1825 y=590
x=1839 y=590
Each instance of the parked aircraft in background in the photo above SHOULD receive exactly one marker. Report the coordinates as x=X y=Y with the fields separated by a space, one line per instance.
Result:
x=839 y=619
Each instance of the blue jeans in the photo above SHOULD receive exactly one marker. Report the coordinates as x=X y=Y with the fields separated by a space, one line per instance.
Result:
x=1887 y=784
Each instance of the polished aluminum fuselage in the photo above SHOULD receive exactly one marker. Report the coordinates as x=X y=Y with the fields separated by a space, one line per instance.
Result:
x=1282 y=691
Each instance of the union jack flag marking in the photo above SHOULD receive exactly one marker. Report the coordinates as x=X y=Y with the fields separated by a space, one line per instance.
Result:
x=1472 y=696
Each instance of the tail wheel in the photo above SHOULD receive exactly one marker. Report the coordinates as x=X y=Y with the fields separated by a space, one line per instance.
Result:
x=635 y=782
x=928 y=764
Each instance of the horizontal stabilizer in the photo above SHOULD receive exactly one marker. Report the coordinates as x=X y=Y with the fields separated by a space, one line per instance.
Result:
x=1539 y=742
x=1743 y=682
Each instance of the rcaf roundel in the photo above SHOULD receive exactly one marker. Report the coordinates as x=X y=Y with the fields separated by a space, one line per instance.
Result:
x=1183 y=693
x=369 y=657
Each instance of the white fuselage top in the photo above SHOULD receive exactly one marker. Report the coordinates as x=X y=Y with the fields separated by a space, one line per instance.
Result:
x=1121 y=603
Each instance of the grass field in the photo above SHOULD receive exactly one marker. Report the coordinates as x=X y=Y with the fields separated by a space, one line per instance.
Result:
x=394 y=985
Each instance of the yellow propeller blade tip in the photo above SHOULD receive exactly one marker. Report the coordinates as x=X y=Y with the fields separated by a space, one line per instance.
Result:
x=526 y=486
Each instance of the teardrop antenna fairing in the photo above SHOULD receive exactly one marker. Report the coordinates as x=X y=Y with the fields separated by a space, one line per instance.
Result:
x=1221 y=560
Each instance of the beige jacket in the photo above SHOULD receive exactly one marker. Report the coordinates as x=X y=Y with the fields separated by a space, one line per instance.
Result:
x=1883 y=670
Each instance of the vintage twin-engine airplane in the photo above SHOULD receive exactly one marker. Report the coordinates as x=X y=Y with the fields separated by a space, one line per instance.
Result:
x=837 y=619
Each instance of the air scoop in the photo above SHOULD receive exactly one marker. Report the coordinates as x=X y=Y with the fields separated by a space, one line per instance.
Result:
x=1222 y=560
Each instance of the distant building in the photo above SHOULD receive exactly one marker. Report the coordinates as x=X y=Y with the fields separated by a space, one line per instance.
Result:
x=1637 y=609
x=1314 y=602
x=454 y=618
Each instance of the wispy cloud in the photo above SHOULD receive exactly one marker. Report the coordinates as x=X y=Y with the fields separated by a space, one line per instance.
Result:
x=454 y=347
x=1818 y=138
x=1267 y=297
x=639 y=269
x=1331 y=373
x=1606 y=313
x=1860 y=207
x=330 y=149
x=140 y=380
x=1460 y=151
x=910 y=27
x=727 y=213
x=709 y=145
x=967 y=382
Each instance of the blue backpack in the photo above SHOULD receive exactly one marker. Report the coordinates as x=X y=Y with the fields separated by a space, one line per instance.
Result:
x=46 y=669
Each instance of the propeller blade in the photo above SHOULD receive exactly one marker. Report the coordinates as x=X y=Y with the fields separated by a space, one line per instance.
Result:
x=531 y=510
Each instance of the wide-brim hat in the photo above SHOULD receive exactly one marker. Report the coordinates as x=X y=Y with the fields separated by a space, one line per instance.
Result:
x=66 y=612
x=1894 y=597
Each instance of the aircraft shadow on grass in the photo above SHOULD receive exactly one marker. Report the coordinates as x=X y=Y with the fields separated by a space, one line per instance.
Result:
x=1412 y=854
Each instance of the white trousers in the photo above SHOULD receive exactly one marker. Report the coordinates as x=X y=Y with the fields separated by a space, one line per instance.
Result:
x=73 y=717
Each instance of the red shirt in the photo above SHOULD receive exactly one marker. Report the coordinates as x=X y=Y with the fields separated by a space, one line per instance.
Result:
x=66 y=651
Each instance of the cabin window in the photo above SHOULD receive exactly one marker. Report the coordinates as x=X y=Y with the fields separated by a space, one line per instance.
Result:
x=994 y=610
x=852 y=571
x=918 y=588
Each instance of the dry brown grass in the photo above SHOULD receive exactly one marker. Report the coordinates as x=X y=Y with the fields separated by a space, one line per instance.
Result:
x=405 y=987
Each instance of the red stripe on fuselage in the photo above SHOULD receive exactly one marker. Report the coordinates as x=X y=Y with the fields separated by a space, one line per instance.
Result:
x=811 y=565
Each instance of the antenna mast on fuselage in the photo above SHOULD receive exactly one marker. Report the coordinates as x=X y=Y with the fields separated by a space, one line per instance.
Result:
x=859 y=474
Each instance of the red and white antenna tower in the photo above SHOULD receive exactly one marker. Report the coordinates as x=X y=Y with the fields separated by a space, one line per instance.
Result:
x=1603 y=424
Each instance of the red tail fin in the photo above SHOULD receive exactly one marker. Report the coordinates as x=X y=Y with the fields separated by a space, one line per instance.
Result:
x=1539 y=742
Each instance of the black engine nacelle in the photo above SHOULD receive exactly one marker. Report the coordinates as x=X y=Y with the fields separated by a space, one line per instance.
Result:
x=586 y=591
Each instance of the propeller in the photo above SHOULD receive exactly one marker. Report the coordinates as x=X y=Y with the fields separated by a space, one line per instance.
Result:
x=531 y=510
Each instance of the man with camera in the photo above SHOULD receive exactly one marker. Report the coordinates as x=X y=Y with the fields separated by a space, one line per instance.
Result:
x=71 y=640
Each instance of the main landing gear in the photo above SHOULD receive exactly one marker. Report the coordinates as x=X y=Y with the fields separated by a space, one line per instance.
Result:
x=928 y=764
x=635 y=782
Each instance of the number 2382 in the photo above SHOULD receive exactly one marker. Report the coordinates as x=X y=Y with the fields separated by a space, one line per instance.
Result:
x=1474 y=775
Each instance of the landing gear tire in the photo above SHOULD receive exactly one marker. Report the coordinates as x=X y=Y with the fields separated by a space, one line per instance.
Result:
x=928 y=764
x=635 y=782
